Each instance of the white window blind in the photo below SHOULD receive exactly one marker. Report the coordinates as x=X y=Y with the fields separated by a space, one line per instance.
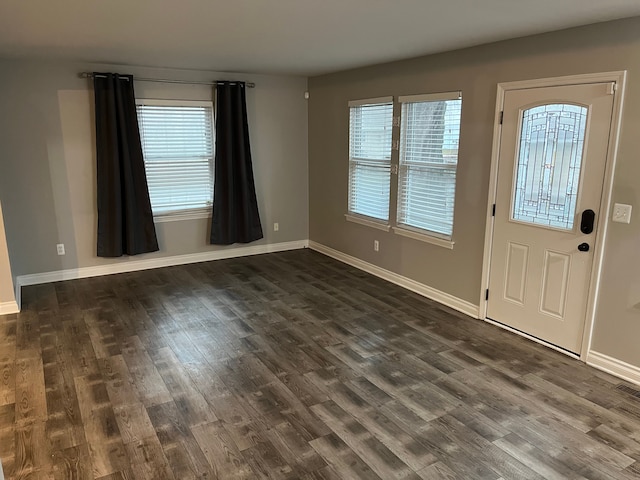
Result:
x=370 y=126
x=429 y=137
x=177 y=143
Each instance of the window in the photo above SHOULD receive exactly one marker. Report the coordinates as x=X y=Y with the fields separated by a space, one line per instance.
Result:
x=429 y=137
x=370 y=127
x=549 y=164
x=177 y=143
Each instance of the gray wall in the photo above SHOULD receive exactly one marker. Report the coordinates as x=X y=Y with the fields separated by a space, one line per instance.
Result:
x=47 y=161
x=477 y=71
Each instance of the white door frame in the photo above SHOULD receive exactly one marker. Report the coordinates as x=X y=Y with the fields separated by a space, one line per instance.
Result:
x=605 y=205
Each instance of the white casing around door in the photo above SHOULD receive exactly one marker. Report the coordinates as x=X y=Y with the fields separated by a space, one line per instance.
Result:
x=551 y=166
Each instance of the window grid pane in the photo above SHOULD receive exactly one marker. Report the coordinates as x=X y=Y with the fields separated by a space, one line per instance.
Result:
x=429 y=139
x=177 y=142
x=370 y=128
x=549 y=161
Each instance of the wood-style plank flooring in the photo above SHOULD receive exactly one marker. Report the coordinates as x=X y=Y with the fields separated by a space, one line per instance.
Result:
x=292 y=366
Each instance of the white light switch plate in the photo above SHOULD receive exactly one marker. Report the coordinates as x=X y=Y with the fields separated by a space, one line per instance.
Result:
x=621 y=213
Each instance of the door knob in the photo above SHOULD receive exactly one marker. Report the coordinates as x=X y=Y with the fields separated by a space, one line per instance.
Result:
x=583 y=247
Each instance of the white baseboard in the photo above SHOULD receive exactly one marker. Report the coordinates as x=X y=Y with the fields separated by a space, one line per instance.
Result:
x=9 y=307
x=136 y=265
x=616 y=367
x=419 y=288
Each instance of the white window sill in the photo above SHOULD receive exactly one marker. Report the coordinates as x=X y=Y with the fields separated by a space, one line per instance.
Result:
x=424 y=237
x=178 y=216
x=367 y=222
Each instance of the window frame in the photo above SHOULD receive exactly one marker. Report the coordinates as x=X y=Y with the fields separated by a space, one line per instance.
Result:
x=354 y=216
x=190 y=213
x=406 y=229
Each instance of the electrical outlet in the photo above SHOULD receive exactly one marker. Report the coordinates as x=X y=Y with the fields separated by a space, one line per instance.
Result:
x=276 y=227
x=376 y=246
x=60 y=248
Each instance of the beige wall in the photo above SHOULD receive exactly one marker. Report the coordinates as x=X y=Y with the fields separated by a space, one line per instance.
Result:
x=477 y=71
x=7 y=295
x=47 y=174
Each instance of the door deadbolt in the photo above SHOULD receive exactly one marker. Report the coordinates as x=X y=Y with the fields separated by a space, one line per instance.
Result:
x=587 y=220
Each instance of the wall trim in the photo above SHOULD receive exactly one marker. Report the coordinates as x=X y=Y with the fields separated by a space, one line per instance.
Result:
x=615 y=367
x=421 y=289
x=148 y=264
x=9 y=307
x=18 y=297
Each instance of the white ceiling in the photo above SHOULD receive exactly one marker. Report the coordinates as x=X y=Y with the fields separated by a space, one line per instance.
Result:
x=305 y=37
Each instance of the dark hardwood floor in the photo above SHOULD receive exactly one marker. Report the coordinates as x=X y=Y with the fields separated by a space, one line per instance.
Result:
x=292 y=366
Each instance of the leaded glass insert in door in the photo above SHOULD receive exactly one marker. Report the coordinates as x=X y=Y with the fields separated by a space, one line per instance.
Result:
x=549 y=162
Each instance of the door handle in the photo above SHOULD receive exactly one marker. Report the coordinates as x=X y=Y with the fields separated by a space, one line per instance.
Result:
x=583 y=247
x=586 y=223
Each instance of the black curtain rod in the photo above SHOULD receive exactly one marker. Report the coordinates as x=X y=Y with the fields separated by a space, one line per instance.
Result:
x=164 y=80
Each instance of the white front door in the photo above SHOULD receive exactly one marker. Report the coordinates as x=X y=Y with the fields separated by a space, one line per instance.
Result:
x=551 y=167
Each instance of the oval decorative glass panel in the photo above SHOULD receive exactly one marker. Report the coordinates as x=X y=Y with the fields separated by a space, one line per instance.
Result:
x=549 y=161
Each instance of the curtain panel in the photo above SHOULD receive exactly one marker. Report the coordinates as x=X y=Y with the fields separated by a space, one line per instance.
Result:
x=125 y=219
x=235 y=208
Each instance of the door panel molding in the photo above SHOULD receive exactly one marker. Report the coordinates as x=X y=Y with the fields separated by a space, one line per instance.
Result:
x=618 y=81
x=514 y=269
x=554 y=293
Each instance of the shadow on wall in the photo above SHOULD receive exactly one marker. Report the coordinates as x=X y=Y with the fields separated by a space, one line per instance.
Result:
x=74 y=180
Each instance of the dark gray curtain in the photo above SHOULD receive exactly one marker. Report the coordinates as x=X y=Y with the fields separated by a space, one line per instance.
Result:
x=235 y=208
x=125 y=220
